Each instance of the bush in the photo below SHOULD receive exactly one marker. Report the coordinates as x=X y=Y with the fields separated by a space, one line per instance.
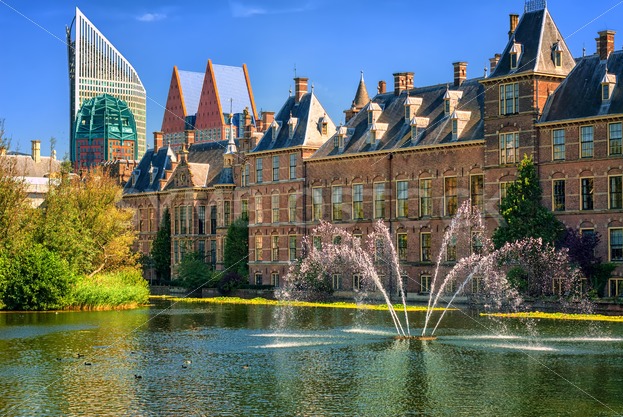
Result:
x=34 y=279
x=110 y=290
x=229 y=282
x=193 y=273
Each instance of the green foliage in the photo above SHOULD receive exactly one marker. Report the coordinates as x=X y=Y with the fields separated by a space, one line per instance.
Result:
x=83 y=224
x=16 y=212
x=161 y=248
x=236 y=253
x=229 y=282
x=523 y=214
x=34 y=279
x=600 y=277
x=193 y=273
x=125 y=287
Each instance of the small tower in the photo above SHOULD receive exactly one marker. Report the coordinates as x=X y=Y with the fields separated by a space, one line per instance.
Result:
x=361 y=100
x=231 y=150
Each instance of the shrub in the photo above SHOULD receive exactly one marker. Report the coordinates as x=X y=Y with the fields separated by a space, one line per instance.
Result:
x=110 y=290
x=34 y=279
x=229 y=282
x=194 y=274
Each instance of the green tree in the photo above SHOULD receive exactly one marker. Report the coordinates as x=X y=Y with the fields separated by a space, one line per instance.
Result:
x=523 y=214
x=84 y=225
x=236 y=254
x=193 y=273
x=161 y=248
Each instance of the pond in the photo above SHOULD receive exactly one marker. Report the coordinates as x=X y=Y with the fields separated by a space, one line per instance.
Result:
x=195 y=359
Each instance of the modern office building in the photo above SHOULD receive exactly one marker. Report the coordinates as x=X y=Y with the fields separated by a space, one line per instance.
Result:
x=95 y=68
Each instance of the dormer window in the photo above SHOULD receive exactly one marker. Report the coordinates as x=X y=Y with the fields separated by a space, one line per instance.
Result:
x=459 y=121
x=407 y=112
x=374 y=111
x=557 y=54
x=135 y=174
x=152 y=174
x=412 y=105
x=455 y=128
x=446 y=106
x=292 y=126
x=370 y=117
x=275 y=129
x=323 y=125
x=514 y=54
x=607 y=85
x=414 y=132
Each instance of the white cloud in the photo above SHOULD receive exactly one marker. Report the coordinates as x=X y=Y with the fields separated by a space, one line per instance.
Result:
x=151 y=17
x=239 y=9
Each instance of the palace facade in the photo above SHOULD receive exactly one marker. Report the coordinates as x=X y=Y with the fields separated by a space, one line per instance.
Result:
x=409 y=157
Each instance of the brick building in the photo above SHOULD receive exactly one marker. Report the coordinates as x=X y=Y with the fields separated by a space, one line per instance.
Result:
x=412 y=156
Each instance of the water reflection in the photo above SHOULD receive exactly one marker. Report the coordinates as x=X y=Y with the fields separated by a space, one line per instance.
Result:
x=220 y=360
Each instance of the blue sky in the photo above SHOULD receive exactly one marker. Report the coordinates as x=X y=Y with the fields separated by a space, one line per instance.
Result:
x=329 y=41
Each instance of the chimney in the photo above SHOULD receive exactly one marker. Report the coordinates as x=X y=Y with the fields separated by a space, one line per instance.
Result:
x=2 y=151
x=300 y=88
x=267 y=119
x=402 y=81
x=494 y=62
x=158 y=138
x=189 y=138
x=460 y=73
x=605 y=43
x=514 y=20
x=382 y=88
x=35 y=150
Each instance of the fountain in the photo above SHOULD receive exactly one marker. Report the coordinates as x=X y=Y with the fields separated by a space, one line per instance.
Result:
x=333 y=251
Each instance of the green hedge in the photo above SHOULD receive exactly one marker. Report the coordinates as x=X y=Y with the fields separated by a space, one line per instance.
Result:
x=125 y=288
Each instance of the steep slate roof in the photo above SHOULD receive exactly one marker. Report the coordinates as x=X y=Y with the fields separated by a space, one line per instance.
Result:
x=308 y=113
x=210 y=156
x=191 y=83
x=583 y=88
x=232 y=84
x=538 y=35
x=398 y=133
x=141 y=176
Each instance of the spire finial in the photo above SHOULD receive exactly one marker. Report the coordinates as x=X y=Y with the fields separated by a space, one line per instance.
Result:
x=295 y=70
x=361 y=75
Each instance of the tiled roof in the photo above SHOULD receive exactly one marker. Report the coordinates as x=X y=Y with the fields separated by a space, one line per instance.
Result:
x=538 y=37
x=25 y=166
x=232 y=84
x=191 y=85
x=309 y=115
x=583 y=88
x=141 y=180
x=398 y=133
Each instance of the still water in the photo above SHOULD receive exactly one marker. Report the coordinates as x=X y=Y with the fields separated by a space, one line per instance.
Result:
x=230 y=360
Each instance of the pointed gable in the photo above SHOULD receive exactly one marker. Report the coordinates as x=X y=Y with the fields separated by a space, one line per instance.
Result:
x=175 y=112
x=191 y=83
x=535 y=43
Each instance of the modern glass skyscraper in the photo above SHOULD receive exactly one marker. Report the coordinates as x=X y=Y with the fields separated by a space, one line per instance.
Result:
x=95 y=68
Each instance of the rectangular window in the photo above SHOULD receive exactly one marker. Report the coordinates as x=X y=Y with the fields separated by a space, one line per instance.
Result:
x=274 y=248
x=336 y=203
x=587 y=193
x=509 y=98
x=509 y=148
x=451 y=197
x=402 y=198
x=292 y=207
x=176 y=256
x=425 y=242
x=275 y=168
x=183 y=220
x=586 y=138
x=292 y=166
x=259 y=168
x=379 y=200
x=201 y=220
x=477 y=192
x=402 y=246
x=316 y=203
x=426 y=197
x=152 y=220
x=615 y=287
x=258 y=248
x=244 y=209
x=558 y=140
x=245 y=175
x=425 y=283
x=258 y=278
x=274 y=279
x=451 y=250
x=358 y=201
x=274 y=207
x=337 y=281
x=357 y=282
x=615 y=242
x=259 y=215
x=616 y=193
x=213 y=219
x=558 y=195
x=226 y=213
x=292 y=247
x=615 y=139
x=213 y=253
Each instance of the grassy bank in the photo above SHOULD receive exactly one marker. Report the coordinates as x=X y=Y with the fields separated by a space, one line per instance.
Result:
x=556 y=316
x=115 y=290
x=263 y=301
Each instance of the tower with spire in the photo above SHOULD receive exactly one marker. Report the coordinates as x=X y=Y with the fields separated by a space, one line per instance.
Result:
x=361 y=99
